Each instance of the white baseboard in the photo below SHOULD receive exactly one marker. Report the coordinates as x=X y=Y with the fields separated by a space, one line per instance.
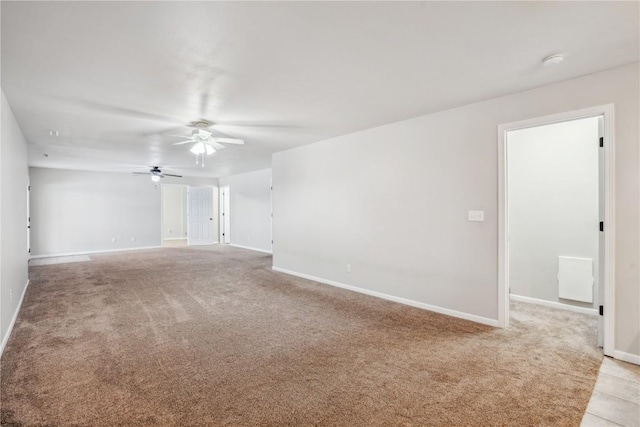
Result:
x=5 y=339
x=626 y=357
x=559 y=305
x=250 y=248
x=95 y=252
x=175 y=238
x=441 y=310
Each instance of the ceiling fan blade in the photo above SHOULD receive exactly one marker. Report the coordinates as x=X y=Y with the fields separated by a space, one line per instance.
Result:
x=140 y=173
x=122 y=111
x=216 y=145
x=183 y=142
x=259 y=125
x=176 y=176
x=229 y=140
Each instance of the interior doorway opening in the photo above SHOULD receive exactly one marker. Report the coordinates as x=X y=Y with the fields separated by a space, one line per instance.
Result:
x=556 y=224
x=174 y=214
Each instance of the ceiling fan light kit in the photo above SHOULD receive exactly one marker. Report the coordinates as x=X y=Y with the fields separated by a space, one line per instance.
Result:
x=204 y=143
x=198 y=148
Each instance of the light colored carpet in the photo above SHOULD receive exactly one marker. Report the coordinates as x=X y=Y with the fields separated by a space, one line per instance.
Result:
x=190 y=337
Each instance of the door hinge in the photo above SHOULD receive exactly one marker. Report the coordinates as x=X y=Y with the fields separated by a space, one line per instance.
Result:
x=602 y=310
x=601 y=226
x=601 y=141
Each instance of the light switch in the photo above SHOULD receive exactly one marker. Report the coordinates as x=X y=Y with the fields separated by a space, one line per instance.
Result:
x=476 y=215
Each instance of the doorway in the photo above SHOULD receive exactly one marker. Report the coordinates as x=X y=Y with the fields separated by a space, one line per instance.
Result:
x=555 y=207
x=174 y=215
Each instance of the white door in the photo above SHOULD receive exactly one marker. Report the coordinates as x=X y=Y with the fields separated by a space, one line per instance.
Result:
x=200 y=213
x=225 y=218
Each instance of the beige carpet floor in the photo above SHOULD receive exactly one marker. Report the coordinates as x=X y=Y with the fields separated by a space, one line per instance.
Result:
x=188 y=337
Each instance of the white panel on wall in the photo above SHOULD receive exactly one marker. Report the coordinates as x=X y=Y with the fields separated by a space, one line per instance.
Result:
x=575 y=278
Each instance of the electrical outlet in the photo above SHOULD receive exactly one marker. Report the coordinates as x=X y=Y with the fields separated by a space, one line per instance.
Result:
x=133 y=239
x=170 y=231
x=113 y=240
x=348 y=268
x=10 y=295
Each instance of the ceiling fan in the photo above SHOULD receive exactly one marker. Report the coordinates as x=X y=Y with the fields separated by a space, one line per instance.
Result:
x=204 y=143
x=156 y=174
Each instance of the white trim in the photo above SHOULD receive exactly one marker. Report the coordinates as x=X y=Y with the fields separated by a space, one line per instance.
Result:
x=627 y=357
x=175 y=238
x=558 y=305
x=5 y=339
x=96 y=252
x=250 y=248
x=429 y=307
x=609 y=217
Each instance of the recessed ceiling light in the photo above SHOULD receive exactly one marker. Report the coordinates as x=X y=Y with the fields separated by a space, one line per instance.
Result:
x=552 y=60
x=54 y=133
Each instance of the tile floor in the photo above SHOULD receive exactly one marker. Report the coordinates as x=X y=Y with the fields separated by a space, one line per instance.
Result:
x=59 y=260
x=174 y=243
x=616 y=397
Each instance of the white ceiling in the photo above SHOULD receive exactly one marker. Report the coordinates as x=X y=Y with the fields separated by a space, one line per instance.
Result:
x=113 y=77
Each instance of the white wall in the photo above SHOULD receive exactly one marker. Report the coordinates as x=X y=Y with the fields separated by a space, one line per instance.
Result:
x=80 y=211
x=553 y=204
x=14 y=178
x=392 y=201
x=250 y=200
x=174 y=211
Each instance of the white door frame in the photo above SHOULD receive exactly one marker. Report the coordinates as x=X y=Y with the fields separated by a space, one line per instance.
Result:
x=224 y=233
x=609 y=214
